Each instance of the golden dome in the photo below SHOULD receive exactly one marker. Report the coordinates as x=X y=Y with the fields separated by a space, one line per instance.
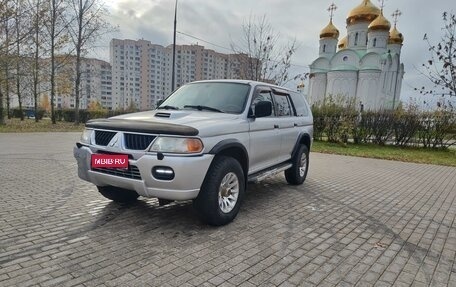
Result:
x=380 y=23
x=364 y=12
x=330 y=31
x=395 y=37
x=342 y=43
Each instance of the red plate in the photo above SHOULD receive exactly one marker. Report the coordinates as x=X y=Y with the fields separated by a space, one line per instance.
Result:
x=109 y=161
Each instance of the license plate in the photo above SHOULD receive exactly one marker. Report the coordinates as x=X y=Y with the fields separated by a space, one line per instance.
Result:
x=109 y=161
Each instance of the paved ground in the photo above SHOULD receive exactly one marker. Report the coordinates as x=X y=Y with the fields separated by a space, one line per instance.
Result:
x=354 y=222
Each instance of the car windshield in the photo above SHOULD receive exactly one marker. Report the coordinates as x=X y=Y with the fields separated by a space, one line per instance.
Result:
x=209 y=96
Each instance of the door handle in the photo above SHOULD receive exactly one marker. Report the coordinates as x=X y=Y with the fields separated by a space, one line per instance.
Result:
x=295 y=124
x=276 y=126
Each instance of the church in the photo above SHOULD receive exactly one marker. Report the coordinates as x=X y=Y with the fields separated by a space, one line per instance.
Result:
x=364 y=66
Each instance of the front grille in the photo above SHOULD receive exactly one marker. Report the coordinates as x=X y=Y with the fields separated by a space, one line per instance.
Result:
x=132 y=172
x=103 y=137
x=137 y=141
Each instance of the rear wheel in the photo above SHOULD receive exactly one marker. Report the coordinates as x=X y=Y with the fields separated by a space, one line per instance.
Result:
x=297 y=173
x=221 y=194
x=118 y=194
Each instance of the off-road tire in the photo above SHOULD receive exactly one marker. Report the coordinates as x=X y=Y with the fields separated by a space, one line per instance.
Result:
x=294 y=174
x=118 y=194
x=207 y=202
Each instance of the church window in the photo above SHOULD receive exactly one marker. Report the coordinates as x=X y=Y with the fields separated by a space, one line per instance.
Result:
x=375 y=42
x=324 y=48
x=356 y=38
x=345 y=59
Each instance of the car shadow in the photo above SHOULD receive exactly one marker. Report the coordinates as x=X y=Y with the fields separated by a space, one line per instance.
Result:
x=146 y=215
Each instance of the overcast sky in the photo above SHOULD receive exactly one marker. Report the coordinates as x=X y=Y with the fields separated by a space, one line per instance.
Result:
x=220 y=22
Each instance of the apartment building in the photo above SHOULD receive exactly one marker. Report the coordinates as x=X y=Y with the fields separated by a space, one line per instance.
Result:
x=142 y=71
x=95 y=86
x=96 y=83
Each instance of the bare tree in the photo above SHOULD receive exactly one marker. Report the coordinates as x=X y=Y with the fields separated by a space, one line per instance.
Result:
x=440 y=69
x=19 y=30
x=259 y=54
x=89 y=24
x=38 y=15
x=6 y=13
x=56 y=27
x=6 y=16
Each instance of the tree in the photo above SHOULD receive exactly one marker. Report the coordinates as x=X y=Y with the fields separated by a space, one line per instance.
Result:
x=38 y=14
x=94 y=106
x=259 y=55
x=440 y=69
x=56 y=27
x=88 y=26
x=19 y=30
x=6 y=14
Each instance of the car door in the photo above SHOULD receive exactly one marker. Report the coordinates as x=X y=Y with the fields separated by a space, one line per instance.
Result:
x=265 y=140
x=286 y=122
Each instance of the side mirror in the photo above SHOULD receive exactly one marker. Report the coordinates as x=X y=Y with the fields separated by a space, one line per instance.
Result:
x=263 y=109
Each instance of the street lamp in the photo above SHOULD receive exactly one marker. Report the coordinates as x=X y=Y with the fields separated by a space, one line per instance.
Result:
x=174 y=49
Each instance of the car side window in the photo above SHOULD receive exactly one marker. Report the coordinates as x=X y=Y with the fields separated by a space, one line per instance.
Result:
x=282 y=106
x=300 y=105
x=263 y=96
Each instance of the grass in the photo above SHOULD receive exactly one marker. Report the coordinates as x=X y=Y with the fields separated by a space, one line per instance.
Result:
x=44 y=125
x=408 y=154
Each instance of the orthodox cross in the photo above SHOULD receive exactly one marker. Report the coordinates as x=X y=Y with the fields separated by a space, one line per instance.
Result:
x=331 y=10
x=382 y=4
x=396 y=15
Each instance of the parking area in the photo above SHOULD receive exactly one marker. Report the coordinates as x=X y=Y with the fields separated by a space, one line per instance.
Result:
x=354 y=222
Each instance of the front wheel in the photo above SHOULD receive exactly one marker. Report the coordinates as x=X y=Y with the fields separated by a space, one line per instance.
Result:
x=297 y=173
x=219 y=199
x=118 y=194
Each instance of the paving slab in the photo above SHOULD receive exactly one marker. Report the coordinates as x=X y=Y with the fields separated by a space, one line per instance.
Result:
x=354 y=222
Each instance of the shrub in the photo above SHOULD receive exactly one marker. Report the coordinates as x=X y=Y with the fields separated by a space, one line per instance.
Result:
x=405 y=126
x=338 y=121
x=28 y=113
x=334 y=118
x=437 y=129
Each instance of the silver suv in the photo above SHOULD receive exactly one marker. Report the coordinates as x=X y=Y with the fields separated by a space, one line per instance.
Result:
x=205 y=142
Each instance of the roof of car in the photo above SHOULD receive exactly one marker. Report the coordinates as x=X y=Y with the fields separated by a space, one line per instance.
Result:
x=252 y=83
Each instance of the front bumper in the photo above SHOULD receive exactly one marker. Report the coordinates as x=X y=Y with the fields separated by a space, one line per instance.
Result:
x=189 y=174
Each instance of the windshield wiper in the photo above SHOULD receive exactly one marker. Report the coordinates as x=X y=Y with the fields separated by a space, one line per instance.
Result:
x=200 y=108
x=167 y=107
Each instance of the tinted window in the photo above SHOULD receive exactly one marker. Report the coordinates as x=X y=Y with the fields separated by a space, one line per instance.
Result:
x=282 y=106
x=227 y=97
x=263 y=96
x=299 y=104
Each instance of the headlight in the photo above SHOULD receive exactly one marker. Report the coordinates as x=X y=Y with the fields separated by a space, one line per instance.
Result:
x=86 y=136
x=177 y=145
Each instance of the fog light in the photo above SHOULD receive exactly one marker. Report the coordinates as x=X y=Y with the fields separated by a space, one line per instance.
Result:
x=163 y=173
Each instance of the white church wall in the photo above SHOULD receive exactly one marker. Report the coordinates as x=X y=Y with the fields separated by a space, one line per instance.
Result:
x=394 y=49
x=345 y=59
x=317 y=88
x=378 y=41
x=320 y=65
x=368 y=89
x=342 y=84
x=370 y=61
x=328 y=47
x=357 y=36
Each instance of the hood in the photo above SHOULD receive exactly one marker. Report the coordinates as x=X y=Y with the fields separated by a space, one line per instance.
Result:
x=205 y=123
